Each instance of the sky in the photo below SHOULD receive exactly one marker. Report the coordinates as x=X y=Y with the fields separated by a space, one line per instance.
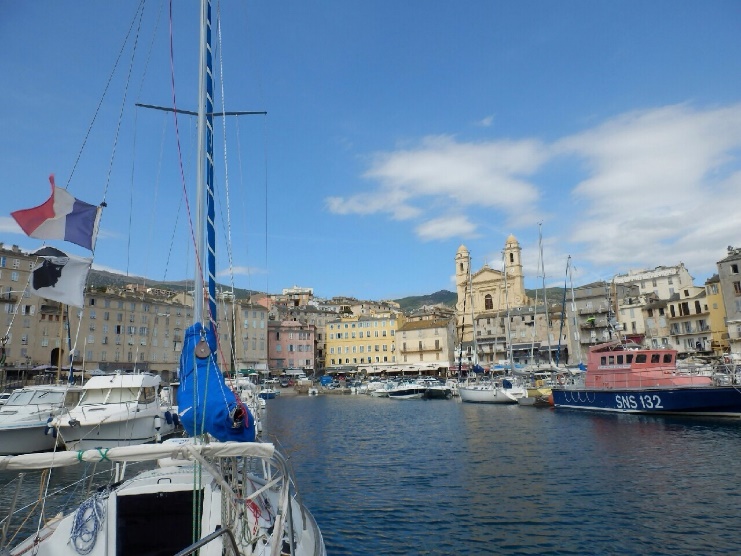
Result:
x=395 y=132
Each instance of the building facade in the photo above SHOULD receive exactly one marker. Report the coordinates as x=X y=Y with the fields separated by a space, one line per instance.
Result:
x=355 y=340
x=487 y=290
x=290 y=346
x=427 y=342
x=729 y=277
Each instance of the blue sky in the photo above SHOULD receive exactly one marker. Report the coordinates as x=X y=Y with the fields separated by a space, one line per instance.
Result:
x=396 y=131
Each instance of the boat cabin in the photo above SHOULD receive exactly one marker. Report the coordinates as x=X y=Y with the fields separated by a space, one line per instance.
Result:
x=614 y=365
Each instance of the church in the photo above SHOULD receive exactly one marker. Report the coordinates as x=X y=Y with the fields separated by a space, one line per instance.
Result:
x=487 y=291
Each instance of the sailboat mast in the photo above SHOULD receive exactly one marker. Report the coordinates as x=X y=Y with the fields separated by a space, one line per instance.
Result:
x=575 y=321
x=205 y=211
x=545 y=294
x=563 y=310
x=510 y=356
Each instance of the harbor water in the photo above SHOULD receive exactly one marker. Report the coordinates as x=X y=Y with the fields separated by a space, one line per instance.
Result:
x=385 y=477
x=444 y=477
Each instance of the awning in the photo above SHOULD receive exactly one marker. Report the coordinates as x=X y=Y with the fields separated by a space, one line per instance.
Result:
x=525 y=346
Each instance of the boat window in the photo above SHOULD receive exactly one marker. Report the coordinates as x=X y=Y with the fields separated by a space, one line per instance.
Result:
x=655 y=358
x=123 y=395
x=629 y=358
x=667 y=358
x=42 y=397
x=611 y=360
x=148 y=395
x=641 y=358
x=603 y=360
x=94 y=396
x=73 y=398
x=21 y=397
x=620 y=359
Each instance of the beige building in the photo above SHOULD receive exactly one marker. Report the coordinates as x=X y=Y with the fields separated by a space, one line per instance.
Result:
x=689 y=321
x=663 y=281
x=427 y=342
x=129 y=328
x=485 y=290
x=656 y=323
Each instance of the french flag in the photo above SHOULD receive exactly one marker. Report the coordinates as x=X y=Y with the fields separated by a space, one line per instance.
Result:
x=61 y=217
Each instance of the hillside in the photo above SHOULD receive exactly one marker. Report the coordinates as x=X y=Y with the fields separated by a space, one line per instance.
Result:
x=105 y=278
x=442 y=297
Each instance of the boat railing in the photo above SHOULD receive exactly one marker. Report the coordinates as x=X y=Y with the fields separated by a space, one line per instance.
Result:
x=21 y=511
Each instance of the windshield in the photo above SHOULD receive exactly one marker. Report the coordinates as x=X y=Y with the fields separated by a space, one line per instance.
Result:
x=35 y=397
x=20 y=397
x=109 y=395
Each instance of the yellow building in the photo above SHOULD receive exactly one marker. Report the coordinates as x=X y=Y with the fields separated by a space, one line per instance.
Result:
x=355 y=340
x=718 y=330
x=484 y=291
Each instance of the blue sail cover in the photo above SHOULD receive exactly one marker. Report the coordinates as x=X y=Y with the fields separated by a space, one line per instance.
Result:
x=205 y=402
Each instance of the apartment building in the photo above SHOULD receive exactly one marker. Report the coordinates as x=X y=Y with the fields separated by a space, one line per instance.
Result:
x=593 y=315
x=730 y=285
x=356 y=339
x=688 y=317
x=423 y=342
x=663 y=281
x=656 y=323
x=290 y=346
x=717 y=309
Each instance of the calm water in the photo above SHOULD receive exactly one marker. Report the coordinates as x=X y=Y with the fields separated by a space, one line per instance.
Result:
x=386 y=477
x=442 y=477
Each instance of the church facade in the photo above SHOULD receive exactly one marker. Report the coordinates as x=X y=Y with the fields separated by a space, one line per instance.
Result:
x=487 y=291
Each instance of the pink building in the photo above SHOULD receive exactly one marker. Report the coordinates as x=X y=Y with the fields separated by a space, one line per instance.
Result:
x=291 y=345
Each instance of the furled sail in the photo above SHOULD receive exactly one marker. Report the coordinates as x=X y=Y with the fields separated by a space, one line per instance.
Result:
x=206 y=404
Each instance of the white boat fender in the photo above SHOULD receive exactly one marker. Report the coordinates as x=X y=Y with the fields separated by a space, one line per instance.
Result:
x=157 y=422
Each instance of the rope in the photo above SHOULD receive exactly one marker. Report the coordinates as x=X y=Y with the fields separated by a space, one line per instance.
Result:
x=86 y=524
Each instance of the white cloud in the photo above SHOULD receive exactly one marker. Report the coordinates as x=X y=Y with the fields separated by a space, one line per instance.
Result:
x=486 y=122
x=657 y=187
x=446 y=227
x=661 y=187
x=240 y=271
x=444 y=174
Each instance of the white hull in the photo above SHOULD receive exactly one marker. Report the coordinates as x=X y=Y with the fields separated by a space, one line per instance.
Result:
x=406 y=396
x=26 y=439
x=381 y=393
x=108 y=434
x=24 y=420
x=491 y=394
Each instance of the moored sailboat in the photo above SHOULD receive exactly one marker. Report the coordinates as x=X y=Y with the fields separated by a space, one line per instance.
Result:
x=218 y=491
